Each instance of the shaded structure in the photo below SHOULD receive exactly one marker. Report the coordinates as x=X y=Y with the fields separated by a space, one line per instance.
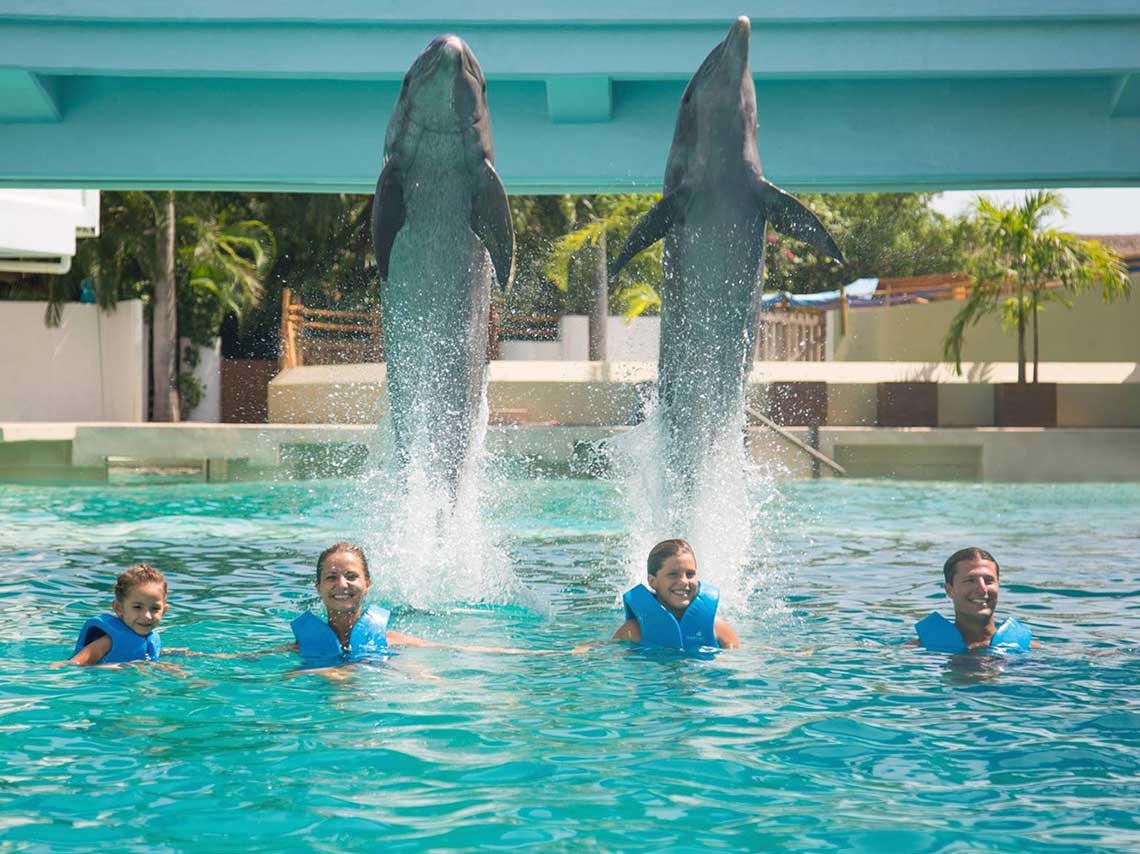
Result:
x=292 y=96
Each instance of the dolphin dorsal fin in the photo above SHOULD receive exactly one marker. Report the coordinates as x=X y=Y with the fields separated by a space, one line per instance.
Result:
x=789 y=216
x=652 y=227
x=387 y=214
x=491 y=222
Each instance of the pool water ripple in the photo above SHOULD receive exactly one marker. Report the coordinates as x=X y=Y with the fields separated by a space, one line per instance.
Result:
x=823 y=733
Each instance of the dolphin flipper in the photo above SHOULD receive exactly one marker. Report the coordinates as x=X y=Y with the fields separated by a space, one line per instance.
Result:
x=652 y=227
x=790 y=217
x=387 y=214
x=491 y=222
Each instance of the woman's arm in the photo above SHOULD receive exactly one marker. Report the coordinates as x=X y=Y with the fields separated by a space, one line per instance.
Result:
x=401 y=639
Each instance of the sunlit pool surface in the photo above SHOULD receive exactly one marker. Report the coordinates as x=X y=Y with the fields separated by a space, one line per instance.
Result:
x=823 y=734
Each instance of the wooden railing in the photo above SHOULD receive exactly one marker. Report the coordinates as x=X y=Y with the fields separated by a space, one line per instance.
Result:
x=938 y=286
x=792 y=336
x=321 y=336
x=530 y=327
x=325 y=336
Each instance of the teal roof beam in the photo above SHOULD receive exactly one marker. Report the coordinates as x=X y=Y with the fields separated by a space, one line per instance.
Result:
x=1126 y=97
x=579 y=98
x=27 y=97
x=292 y=95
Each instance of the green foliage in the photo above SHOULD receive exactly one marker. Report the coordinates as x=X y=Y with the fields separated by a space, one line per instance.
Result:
x=614 y=216
x=1017 y=253
x=221 y=265
x=880 y=234
x=324 y=254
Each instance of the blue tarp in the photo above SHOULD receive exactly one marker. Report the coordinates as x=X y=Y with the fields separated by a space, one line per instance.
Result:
x=858 y=291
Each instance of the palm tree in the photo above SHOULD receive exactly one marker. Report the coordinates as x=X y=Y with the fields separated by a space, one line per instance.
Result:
x=146 y=249
x=606 y=216
x=1024 y=257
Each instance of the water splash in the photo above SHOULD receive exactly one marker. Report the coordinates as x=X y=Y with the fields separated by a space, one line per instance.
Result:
x=730 y=518
x=431 y=550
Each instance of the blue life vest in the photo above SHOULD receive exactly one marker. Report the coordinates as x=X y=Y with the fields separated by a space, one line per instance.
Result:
x=661 y=628
x=126 y=643
x=319 y=643
x=938 y=634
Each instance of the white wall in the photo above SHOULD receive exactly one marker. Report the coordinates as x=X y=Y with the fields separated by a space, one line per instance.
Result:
x=1092 y=331
x=208 y=372
x=633 y=342
x=89 y=368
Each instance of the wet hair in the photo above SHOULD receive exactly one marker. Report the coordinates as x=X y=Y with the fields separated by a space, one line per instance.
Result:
x=972 y=553
x=352 y=549
x=136 y=574
x=667 y=549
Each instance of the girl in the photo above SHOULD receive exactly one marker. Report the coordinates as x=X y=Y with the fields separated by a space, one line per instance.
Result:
x=129 y=633
x=673 y=608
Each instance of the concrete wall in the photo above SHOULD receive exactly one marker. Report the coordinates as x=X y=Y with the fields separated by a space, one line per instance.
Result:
x=1090 y=332
x=90 y=368
x=625 y=342
x=208 y=372
x=606 y=393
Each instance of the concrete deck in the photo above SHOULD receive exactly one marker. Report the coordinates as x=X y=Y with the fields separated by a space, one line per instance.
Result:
x=69 y=453
x=1101 y=394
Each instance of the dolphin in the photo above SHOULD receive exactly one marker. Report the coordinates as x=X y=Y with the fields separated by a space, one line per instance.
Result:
x=713 y=217
x=442 y=233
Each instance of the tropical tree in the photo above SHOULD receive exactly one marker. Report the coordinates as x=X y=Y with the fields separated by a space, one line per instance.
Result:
x=192 y=271
x=606 y=221
x=1023 y=264
x=324 y=246
x=881 y=235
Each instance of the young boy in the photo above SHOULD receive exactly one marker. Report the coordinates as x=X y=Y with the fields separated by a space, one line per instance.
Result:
x=680 y=611
x=129 y=633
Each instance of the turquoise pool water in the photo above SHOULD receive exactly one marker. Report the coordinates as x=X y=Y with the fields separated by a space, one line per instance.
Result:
x=822 y=734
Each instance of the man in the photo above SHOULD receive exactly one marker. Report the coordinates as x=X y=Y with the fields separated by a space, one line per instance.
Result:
x=972 y=582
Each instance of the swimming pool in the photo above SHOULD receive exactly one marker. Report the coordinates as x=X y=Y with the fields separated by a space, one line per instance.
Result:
x=822 y=734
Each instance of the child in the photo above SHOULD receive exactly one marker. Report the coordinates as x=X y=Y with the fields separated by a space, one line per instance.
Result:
x=353 y=630
x=129 y=633
x=680 y=611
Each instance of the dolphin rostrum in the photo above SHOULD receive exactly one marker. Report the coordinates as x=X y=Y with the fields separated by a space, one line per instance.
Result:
x=713 y=216
x=441 y=229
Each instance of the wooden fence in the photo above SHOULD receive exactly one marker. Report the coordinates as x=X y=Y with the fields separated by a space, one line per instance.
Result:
x=792 y=336
x=324 y=336
x=317 y=336
x=321 y=336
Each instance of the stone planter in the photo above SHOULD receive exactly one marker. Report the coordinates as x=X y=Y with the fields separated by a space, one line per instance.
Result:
x=1025 y=404
x=797 y=403
x=908 y=404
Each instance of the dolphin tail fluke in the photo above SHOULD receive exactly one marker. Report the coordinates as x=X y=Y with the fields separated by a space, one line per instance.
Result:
x=790 y=217
x=491 y=222
x=651 y=228
x=387 y=214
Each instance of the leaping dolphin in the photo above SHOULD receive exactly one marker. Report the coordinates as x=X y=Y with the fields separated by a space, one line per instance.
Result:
x=713 y=216
x=441 y=229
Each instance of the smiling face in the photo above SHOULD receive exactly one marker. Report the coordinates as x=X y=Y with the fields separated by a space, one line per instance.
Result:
x=142 y=607
x=343 y=582
x=675 y=583
x=974 y=590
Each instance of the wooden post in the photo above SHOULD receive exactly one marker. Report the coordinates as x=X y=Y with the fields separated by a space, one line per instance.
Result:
x=286 y=347
x=843 y=310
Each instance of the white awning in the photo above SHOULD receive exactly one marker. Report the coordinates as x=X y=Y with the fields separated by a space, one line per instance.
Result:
x=38 y=228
